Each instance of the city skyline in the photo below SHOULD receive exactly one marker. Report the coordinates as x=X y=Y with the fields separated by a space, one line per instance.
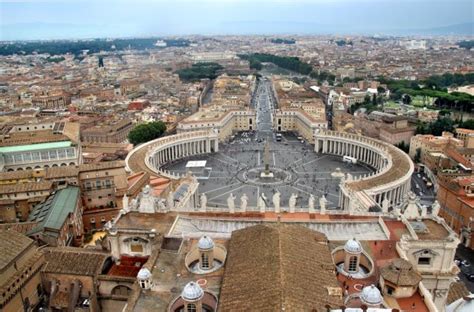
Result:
x=56 y=19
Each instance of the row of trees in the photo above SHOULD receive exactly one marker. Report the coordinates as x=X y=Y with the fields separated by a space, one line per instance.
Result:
x=466 y=44
x=370 y=104
x=283 y=41
x=343 y=42
x=199 y=71
x=146 y=132
x=286 y=62
x=323 y=76
x=435 y=87
x=76 y=47
x=443 y=123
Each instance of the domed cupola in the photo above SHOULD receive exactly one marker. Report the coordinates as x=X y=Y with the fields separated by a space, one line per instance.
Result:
x=353 y=251
x=353 y=246
x=144 y=278
x=205 y=243
x=192 y=292
x=371 y=296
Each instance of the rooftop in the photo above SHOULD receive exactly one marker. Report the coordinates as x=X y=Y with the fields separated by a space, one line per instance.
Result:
x=53 y=212
x=75 y=261
x=34 y=147
x=25 y=187
x=279 y=267
x=12 y=244
x=134 y=220
x=432 y=231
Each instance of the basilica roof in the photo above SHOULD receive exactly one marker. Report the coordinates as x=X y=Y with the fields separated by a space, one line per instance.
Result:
x=271 y=268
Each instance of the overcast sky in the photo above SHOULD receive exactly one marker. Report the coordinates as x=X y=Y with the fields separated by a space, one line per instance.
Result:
x=52 y=19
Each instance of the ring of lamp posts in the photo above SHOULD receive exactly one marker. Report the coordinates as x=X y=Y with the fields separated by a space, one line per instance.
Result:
x=234 y=167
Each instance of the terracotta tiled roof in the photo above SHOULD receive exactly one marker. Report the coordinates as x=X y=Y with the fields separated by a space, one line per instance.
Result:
x=456 y=290
x=61 y=172
x=276 y=268
x=102 y=166
x=14 y=175
x=75 y=261
x=12 y=244
x=25 y=187
x=401 y=273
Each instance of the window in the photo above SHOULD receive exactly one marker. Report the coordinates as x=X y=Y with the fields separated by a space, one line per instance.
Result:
x=191 y=307
x=136 y=247
x=44 y=156
x=121 y=290
x=424 y=260
x=353 y=264
x=204 y=261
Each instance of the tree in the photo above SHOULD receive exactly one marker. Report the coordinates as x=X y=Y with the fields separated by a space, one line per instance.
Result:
x=199 y=71
x=146 y=132
x=468 y=124
x=406 y=99
x=418 y=155
x=403 y=146
x=254 y=64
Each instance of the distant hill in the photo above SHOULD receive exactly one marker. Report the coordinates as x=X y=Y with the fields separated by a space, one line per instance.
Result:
x=455 y=29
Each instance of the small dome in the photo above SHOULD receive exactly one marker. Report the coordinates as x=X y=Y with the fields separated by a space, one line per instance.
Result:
x=353 y=246
x=205 y=243
x=144 y=274
x=371 y=295
x=192 y=292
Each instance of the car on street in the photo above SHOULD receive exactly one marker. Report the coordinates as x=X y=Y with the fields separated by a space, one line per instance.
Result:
x=468 y=273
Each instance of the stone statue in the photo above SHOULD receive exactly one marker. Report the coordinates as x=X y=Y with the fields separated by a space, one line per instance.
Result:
x=170 y=201
x=385 y=204
x=231 y=203
x=125 y=203
x=134 y=204
x=311 y=203
x=349 y=177
x=322 y=203
x=243 y=202
x=424 y=211
x=161 y=205
x=203 y=200
x=435 y=208
x=292 y=202
x=147 y=201
x=276 y=201
x=262 y=203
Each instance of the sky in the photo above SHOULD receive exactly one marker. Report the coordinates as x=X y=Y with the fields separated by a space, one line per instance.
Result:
x=69 y=19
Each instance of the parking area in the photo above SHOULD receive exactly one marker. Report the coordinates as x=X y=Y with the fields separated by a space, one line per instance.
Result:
x=423 y=188
x=465 y=261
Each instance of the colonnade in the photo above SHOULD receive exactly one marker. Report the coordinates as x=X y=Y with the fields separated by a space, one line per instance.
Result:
x=386 y=187
x=154 y=154
x=362 y=152
x=180 y=149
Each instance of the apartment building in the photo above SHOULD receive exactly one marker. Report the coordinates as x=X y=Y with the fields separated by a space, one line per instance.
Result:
x=20 y=276
x=115 y=131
